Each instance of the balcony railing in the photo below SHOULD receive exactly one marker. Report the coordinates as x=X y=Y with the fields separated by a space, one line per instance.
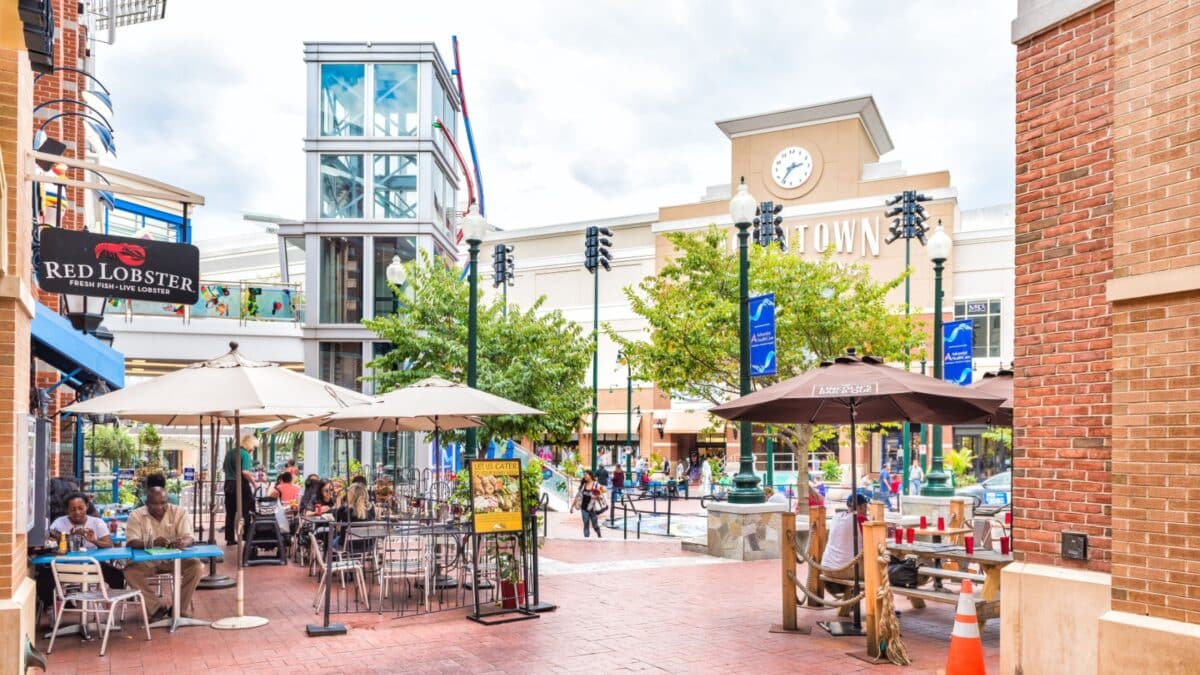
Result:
x=245 y=301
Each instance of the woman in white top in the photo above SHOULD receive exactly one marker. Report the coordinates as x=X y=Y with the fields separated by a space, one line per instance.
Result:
x=840 y=549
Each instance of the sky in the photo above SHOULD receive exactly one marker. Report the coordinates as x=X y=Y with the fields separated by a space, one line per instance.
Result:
x=580 y=110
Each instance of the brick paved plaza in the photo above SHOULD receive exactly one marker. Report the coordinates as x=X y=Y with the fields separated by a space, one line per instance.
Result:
x=659 y=609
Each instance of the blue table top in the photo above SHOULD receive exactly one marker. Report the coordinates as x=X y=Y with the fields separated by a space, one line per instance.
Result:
x=194 y=551
x=100 y=555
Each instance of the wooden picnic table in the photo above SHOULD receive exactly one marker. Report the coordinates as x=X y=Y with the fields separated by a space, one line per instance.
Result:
x=990 y=562
x=934 y=532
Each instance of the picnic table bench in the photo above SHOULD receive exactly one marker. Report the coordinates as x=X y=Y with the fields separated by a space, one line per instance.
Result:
x=987 y=599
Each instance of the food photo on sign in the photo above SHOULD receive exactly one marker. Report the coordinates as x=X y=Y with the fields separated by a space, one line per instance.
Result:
x=495 y=495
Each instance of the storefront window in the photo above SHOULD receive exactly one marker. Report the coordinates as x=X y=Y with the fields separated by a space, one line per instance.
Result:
x=341 y=186
x=396 y=99
x=342 y=99
x=341 y=279
x=338 y=450
x=385 y=249
x=985 y=322
x=395 y=186
x=395 y=454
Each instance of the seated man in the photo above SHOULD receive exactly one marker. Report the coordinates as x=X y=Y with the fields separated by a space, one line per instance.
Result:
x=840 y=550
x=95 y=535
x=161 y=525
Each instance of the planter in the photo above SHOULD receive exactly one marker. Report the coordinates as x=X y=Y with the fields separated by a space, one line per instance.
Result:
x=511 y=595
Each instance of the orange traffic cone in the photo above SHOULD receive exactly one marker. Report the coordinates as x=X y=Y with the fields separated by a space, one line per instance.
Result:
x=966 y=649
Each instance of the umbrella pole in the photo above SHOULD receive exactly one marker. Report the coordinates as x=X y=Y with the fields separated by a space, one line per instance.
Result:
x=213 y=580
x=854 y=627
x=240 y=620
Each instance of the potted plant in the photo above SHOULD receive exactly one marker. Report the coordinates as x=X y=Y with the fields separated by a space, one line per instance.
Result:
x=512 y=587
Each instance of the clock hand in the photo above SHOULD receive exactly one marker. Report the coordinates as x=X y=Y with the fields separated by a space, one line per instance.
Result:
x=789 y=170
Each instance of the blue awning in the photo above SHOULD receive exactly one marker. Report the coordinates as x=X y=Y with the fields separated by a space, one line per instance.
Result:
x=56 y=342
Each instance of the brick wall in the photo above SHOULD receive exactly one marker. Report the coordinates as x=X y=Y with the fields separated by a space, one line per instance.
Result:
x=1156 y=338
x=1062 y=438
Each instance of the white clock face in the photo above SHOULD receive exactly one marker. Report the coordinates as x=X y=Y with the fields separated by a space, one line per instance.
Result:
x=792 y=166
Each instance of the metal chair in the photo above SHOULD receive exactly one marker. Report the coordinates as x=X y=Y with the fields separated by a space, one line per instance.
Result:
x=81 y=582
x=402 y=557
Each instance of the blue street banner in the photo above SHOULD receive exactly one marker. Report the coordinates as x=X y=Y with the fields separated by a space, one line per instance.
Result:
x=762 y=335
x=958 y=347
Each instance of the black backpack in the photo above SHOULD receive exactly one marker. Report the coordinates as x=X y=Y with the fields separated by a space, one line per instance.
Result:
x=903 y=573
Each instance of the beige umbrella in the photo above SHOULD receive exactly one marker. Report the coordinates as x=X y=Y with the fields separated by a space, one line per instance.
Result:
x=229 y=388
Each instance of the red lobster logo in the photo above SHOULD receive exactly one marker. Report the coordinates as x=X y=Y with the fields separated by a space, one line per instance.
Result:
x=129 y=254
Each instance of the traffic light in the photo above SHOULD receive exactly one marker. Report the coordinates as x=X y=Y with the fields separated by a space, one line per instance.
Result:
x=502 y=265
x=908 y=219
x=768 y=225
x=596 y=248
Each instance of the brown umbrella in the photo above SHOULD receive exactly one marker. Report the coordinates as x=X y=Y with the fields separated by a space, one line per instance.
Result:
x=852 y=390
x=999 y=383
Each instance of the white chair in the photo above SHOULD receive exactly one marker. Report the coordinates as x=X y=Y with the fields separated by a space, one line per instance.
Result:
x=340 y=564
x=81 y=582
x=402 y=557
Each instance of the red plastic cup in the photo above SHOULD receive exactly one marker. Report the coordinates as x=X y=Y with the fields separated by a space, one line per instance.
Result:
x=1003 y=545
x=970 y=544
x=911 y=535
x=899 y=536
x=941 y=523
x=924 y=523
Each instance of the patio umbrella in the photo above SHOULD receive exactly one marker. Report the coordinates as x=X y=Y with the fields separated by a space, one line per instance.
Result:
x=999 y=383
x=852 y=390
x=229 y=389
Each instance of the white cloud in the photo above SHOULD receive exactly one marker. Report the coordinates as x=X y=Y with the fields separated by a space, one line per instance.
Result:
x=580 y=110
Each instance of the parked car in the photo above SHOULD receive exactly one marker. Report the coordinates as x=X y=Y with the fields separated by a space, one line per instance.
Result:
x=990 y=491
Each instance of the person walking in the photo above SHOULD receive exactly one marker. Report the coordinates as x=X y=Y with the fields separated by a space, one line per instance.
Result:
x=885 y=486
x=916 y=477
x=618 y=482
x=590 y=502
x=230 y=469
x=602 y=475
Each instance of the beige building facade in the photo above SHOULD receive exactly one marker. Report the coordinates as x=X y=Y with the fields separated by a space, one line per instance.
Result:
x=832 y=201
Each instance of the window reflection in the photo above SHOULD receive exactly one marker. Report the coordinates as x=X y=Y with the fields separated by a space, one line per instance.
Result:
x=342 y=99
x=385 y=249
x=341 y=279
x=341 y=186
x=395 y=186
x=395 y=99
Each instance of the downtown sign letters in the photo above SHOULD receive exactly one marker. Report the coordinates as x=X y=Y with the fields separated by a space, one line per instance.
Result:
x=81 y=263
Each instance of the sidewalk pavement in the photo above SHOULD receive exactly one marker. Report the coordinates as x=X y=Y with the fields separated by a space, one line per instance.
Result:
x=622 y=606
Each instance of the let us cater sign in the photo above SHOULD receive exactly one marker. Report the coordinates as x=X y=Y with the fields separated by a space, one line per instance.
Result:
x=82 y=263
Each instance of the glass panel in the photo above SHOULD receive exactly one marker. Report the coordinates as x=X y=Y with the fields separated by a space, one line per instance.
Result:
x=396 y=99
x=395 y=186
x=394 y=452
x=994 y=336
x=271 y=303
x=218 y=300
x=995 y=308
x=385 y=249
x=338 y=449
x=438 y=97
x=341 y=364
x=341 y=186
x=341 y=279
x=960 y=310
x=153 y=308
x=293 y=253
x=342 y=99
x=979 y=336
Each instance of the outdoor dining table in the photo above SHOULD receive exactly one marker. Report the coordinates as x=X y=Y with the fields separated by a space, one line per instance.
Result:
x=990 y=562
x=196 y=551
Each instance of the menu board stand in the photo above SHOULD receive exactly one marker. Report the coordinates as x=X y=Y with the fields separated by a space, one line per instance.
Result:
x=497 y=511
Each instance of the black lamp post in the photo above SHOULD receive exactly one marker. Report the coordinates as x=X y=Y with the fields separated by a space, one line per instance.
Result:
x=474 y=228
x=745 y=483
x=937 y=481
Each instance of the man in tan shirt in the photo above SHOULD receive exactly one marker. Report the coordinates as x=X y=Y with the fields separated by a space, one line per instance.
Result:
x=161 y=525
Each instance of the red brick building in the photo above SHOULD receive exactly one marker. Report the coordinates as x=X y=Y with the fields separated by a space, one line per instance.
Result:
x=1107 y=343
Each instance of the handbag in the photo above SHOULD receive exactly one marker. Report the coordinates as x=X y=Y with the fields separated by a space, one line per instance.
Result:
x=597 y=504
x=903 y=574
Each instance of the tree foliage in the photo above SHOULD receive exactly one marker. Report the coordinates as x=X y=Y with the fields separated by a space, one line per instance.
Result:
x=532 y=356
x=112 y=444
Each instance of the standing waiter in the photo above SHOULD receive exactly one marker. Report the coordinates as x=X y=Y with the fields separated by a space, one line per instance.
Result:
x=230 y=468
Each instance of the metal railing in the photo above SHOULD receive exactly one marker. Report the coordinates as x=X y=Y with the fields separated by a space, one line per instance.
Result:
x=245 y=301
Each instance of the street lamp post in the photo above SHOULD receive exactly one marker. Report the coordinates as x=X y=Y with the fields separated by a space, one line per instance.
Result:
x=745 y=483
x=939 y=250
x=628 y=413
x=474 y=228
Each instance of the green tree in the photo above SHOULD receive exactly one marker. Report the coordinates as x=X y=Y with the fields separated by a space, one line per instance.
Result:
x=112 y=444
x=535 y=357
x=823 y=308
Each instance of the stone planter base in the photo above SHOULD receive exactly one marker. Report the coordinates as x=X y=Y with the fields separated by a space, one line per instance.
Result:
x=744 y=531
